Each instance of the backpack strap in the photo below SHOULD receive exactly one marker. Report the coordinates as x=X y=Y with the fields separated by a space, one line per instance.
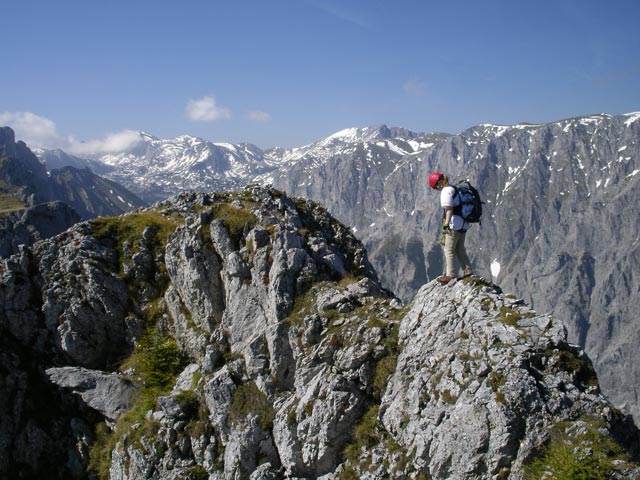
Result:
x=457 y=210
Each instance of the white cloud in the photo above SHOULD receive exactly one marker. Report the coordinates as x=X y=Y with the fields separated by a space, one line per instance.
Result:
x=258 y=116
x=414 y=87
x=205 y=110
x=117 y=142
x=34 y=130
x=40 y=132
x=338 y=10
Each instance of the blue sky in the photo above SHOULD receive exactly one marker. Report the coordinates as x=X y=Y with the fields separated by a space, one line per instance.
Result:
x=289 y=72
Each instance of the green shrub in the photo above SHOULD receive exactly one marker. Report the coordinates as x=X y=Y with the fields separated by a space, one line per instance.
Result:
x=248 y=399
x=578 y=450
x=189 y=403
x=307 y=408
x=478 y=282
x=448 y=397
x=156 y=361
x=563 y=462
x=386 y=366
x=302 y=305
x=496 y=380
x=235 y=219
x=383 y=371
x=565 y=359
x=292 y=417
x=197 y=472
x=366 y=434
x=100 y=454
x=487 y=304
x=199 y=425
x=511 y=316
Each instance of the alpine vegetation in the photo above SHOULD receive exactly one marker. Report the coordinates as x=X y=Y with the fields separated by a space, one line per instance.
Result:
x=245 y=335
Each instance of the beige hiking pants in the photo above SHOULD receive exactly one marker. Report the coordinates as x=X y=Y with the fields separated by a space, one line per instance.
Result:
x=454 y=250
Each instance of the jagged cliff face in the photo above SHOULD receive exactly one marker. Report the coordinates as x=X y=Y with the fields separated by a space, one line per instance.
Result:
x=348 y=172
x=245 y=335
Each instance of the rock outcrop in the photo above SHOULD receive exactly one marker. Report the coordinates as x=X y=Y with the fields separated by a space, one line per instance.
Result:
x=246 y=336
x=20 y=167
x=483 y=382
x=110 y=394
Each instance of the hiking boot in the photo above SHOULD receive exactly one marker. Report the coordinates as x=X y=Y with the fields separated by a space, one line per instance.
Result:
x=444 y=279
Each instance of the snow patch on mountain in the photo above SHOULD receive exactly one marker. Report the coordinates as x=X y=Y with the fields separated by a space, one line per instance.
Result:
x=632 y=117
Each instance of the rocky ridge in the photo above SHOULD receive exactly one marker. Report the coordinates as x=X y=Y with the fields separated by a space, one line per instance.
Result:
x=246 y=335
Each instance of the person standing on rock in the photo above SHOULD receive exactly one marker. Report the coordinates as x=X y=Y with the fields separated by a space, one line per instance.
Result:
x=454 y=229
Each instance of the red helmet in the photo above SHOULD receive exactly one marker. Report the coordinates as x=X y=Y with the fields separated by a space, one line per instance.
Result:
x=433 y=179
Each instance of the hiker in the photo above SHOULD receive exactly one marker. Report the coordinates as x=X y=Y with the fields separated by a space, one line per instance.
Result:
x=454 y=229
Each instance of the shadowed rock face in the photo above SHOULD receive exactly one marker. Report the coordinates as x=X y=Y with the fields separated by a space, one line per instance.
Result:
x=245 y=335
x=26 y=227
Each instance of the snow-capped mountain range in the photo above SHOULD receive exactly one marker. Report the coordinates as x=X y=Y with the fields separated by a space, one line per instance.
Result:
x=157 y=168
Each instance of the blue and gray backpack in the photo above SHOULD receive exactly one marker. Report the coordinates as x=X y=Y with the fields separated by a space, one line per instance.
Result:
x=470 y=207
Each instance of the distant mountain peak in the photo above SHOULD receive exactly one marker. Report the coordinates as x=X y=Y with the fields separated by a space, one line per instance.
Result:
x=369 y=134
x=631 y=117
x=147 y=136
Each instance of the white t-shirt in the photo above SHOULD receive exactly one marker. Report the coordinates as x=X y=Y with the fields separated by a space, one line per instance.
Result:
x=448 y=199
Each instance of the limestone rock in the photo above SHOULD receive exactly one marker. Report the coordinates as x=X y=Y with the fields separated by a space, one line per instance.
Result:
x=110 y=394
